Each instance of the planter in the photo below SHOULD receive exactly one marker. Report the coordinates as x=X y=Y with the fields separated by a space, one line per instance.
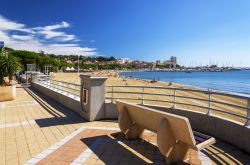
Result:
x=7 y=93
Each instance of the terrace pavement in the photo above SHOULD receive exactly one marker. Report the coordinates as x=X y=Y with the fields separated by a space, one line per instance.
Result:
x=35 y=129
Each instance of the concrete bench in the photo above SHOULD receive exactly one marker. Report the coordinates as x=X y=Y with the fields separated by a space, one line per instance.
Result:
x=175 y=138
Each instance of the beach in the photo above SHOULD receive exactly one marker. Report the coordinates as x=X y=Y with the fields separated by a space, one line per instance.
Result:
x=114 y=79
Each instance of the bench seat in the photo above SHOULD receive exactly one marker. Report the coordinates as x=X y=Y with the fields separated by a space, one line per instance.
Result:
x=175 y=138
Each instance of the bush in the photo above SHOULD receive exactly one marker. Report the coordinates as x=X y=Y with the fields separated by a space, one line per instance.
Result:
x=9 y=65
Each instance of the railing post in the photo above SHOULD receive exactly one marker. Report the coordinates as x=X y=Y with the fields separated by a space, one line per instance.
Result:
x=142 y=95
x=67 y=85
x=60 y=86
x=76 y=91
x=112 y=94
x=248 y=113
x=209 y=103
x=174 y=99
x=55 y=85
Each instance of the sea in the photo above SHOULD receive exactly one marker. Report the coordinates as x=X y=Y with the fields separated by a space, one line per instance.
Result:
x=230 y=81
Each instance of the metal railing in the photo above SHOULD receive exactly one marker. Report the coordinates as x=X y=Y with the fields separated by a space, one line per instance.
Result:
x=59 y=86
x=215 y=101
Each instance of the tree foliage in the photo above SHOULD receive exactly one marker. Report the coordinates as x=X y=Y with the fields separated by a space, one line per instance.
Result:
x=9 y=65
x=60 y=61
x=27 y=57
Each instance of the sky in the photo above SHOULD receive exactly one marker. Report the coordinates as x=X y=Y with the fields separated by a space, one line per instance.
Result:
x=196 y=32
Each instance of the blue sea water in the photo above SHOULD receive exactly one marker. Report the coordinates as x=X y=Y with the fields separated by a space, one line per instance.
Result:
x=234 y=81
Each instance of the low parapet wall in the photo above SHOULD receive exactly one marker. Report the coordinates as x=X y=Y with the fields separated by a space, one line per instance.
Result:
x=110 y=111
x=229 y=131
x=67 y=101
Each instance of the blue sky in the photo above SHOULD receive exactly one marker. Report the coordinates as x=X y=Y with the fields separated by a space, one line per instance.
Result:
x=197 y=32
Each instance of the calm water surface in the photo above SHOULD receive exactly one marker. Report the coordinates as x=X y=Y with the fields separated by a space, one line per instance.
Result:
x=236 y=81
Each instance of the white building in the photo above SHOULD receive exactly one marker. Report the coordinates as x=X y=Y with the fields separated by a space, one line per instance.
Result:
x=123 y=60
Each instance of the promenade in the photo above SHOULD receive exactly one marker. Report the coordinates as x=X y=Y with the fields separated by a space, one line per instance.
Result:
x=35 y=129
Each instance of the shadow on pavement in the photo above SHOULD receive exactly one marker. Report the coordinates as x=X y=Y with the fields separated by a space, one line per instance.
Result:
x=61 y=114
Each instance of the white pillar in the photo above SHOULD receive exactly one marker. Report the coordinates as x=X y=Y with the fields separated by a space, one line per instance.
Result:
x=93 y=96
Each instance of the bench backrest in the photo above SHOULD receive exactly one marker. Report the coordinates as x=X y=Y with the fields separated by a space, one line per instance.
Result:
x=150 y=119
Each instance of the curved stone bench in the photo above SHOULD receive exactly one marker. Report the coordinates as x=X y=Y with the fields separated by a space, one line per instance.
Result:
x=175 y=137
x=229 y=131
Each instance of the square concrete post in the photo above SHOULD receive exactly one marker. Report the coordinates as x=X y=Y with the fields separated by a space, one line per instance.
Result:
x=93 y=96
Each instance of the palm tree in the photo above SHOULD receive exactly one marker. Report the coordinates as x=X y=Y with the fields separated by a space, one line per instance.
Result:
x=8 y=66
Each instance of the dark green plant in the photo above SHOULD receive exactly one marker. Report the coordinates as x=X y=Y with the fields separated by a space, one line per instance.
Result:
x=9 y=65
x=1 y=69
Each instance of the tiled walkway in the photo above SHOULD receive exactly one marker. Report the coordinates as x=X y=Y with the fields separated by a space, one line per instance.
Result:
x=102 y=146
x=32 y=123
x=35 y=129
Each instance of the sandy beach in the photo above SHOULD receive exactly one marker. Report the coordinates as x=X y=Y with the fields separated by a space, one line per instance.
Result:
x=114 y=79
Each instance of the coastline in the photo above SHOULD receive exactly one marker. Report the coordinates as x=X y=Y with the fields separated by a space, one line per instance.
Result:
x=212 y=81
x=165 y=83
x=114 y=75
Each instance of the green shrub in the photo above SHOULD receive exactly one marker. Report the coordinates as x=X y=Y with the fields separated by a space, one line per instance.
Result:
x=9 y=65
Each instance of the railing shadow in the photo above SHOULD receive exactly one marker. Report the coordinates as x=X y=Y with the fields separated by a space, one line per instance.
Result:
x=61 y=114
x=117 y=149
x=118 y=146
x=54 y=121
x=223 y=153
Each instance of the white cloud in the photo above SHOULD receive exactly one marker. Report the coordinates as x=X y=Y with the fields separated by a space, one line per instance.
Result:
x=22 y=37
x=53 y=27
x=7 y=25
x=50 y=32
x=60 y=36
x=48 y=38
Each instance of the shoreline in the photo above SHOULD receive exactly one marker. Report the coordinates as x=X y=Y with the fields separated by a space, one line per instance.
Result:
x=186 y=85
x=164 y=82
x=115 y=78
x=187 y=70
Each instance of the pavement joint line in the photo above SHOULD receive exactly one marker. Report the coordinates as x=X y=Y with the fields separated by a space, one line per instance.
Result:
x=103 y=128
x=13 y=106
x=23 y=123
x=57 y=145
x=81 y=159
x=204 y=159
x=18 y=102
x=85 y=154
x=134 y=151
